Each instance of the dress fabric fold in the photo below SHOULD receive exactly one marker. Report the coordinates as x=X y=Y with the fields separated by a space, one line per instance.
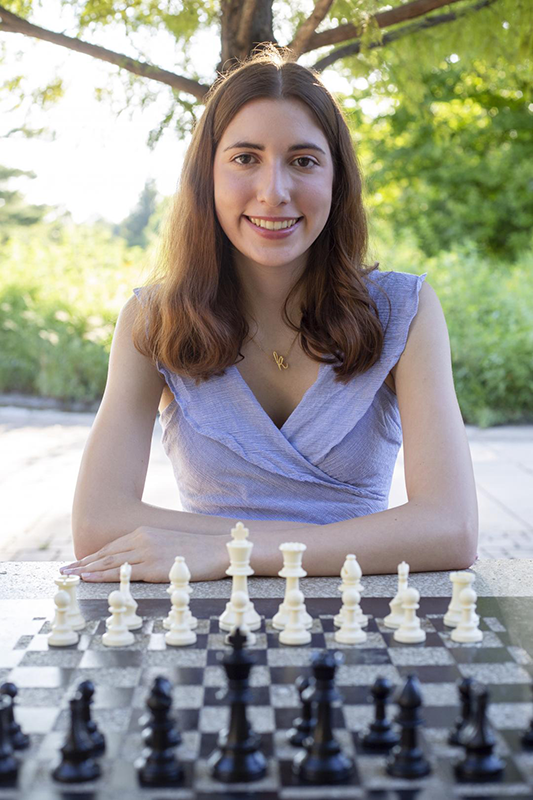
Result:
x=333 y=458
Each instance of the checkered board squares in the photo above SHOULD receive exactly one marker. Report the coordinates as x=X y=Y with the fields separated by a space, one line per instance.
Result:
x=47 y=678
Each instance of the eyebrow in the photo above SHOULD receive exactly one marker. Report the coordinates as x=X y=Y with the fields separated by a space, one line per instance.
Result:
x=251 y=146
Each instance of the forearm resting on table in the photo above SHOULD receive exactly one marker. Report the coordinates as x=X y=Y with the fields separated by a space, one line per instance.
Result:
x=415 y=533
x=91 y=537
x=423 y=536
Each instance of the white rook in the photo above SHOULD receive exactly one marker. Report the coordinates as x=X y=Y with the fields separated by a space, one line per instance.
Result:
x=292 y=571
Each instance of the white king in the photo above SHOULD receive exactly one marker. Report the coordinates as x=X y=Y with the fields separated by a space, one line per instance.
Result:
x=240 y=550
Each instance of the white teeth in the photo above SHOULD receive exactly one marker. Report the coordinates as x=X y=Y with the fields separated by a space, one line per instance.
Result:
x=272 y=226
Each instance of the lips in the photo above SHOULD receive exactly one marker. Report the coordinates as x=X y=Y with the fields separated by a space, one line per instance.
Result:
x=257 y=226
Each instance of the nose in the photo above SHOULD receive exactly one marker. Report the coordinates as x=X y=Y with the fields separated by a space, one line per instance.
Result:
x=273 y=185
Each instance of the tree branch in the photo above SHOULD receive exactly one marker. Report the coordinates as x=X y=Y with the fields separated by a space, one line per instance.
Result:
x=14 y=24
x=245 y=24
x=406 y=30
x=306 y=30
x=384 y=19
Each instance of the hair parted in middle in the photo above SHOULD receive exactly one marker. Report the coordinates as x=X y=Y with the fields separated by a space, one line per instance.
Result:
x=193 y=318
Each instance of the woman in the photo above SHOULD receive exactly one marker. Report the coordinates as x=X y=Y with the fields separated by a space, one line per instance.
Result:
x=285 y=370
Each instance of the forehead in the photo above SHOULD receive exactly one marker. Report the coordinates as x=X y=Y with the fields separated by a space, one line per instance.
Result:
x=256 y=119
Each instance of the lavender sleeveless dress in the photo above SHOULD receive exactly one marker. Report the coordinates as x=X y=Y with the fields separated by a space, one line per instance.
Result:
x=333 y=458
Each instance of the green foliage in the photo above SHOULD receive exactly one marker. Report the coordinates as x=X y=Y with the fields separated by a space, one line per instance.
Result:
x=14 y=211
x=61 y=289
x=63 y=286
x=460 y=166
x=488 y=312
x=134 y=228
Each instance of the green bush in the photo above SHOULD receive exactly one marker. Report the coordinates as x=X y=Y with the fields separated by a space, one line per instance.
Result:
x=489 y=312
x=61 y=290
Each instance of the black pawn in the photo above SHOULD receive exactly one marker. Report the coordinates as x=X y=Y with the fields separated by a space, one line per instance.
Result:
x=19 y=740
x=77 y=764
x=303 y=725
x=527 y=736
x=86 y=691
x=380 y=735
x=406 y=759
x=238 y=757
x=9 y=764
x=465 y=694
x=480 y=764
x=159 y=765
x=323 y=761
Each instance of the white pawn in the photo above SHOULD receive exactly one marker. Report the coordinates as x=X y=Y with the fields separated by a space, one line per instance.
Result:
x=467 y=630
x=394 y=619
x=295 y=631
x=350 y=632
x=410 y=631
x=117 y=634
x=180 y=633
x=239 y=601
x=62 y=634
x=179 y=577
x=69 y=584
x=351 y=574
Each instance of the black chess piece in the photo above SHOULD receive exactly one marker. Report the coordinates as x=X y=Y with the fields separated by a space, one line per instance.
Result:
x=527 y=736
x=9 y=763
x=162 y=687
x=158 y=765
x=77 y=764
x=322 y=760
x=86 y=692
x=238 y=756
x=406 y=759
x=19 y=740
x=480 y=763
x=302 y=726
x=465 y=695
x=380 y=735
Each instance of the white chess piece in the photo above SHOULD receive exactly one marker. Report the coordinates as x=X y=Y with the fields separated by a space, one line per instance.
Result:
x=467 y=629
x=350 y=631
x=240 y=550
x=292 y=571
x=179 y=577
x=133 y=622
x=180 y=633
x=69 y=584
x=62 y=634
x=295 y=631
x=117 y=634
x=239 y=601
x=351 y=574
x=394 y=619
x=460 y=580
x=410 y=631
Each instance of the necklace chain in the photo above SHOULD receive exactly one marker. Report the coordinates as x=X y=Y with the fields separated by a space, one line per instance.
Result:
x=279 y=359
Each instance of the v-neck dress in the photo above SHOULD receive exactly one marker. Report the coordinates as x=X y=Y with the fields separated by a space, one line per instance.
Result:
x=332 y=459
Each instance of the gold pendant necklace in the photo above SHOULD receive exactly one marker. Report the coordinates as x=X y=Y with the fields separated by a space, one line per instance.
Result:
x=279 y=359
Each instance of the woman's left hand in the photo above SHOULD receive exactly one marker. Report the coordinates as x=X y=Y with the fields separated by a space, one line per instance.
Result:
x=151 y=553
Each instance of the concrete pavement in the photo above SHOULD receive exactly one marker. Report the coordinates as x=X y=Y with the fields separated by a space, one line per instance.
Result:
x=41 y=450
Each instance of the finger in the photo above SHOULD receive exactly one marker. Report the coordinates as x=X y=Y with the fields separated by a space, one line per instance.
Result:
x=100 y=564
x=112 y=575
x=123 y=544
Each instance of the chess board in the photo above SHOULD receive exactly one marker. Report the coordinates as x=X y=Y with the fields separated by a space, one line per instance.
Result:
x=47 y=678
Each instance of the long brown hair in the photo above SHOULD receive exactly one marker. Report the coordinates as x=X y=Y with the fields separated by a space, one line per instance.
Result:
x=194 y=321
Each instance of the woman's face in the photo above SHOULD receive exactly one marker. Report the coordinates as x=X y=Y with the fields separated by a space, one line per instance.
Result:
x=273 y=181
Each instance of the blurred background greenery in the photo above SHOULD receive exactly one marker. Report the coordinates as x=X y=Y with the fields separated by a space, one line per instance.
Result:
x=448 y=167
